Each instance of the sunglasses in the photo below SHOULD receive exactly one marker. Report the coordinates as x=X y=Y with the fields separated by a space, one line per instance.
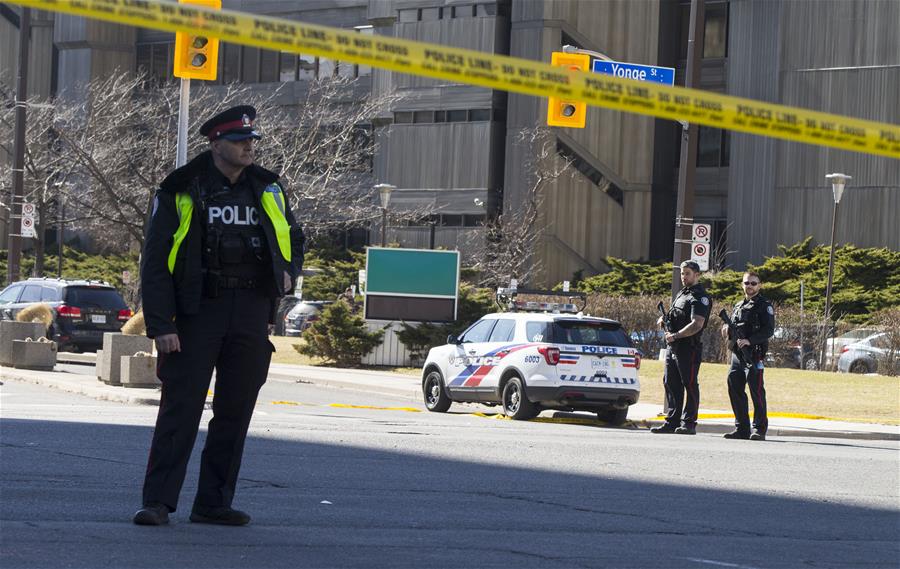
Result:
x=751 y=283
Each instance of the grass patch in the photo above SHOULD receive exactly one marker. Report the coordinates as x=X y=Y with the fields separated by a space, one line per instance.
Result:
x=286 y=354
x=857 y=398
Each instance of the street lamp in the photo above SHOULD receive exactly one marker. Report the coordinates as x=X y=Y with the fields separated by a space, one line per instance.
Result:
x=384 y=192
x=838 y=182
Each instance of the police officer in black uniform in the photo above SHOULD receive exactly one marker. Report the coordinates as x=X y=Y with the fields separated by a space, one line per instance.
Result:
x=221 y=247
x=754 y=319
x=684 y=324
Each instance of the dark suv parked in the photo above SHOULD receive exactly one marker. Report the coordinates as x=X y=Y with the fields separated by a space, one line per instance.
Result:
x=82 y=310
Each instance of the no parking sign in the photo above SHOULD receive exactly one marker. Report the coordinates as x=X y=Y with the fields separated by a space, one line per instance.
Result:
x=700 y=255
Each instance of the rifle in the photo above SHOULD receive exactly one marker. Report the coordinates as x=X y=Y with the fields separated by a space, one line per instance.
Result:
x=744 y=354
x=665 y=317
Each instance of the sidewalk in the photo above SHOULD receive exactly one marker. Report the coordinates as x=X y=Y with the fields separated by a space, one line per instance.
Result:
x=642 y=415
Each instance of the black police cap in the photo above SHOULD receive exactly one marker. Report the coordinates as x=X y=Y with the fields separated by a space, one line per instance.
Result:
x=235 y=123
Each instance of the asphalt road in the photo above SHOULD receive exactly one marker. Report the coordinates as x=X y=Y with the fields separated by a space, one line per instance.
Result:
x=335 y=478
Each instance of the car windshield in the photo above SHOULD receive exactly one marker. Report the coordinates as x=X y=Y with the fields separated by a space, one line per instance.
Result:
x=578 y=332
x=94 y=297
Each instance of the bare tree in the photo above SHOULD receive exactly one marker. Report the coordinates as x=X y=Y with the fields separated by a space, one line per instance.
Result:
x=512 y=237
x=122 y=136
x=48 y=167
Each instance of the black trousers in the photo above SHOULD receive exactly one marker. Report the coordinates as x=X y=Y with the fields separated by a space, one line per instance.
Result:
x=680 y=382
x=739 y=378
x=229 y=334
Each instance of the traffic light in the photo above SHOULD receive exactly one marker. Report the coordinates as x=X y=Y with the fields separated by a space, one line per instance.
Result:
x=197 y=57
x=566 y=112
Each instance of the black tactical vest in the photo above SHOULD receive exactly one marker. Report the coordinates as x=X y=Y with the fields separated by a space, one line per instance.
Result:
x=234 y=243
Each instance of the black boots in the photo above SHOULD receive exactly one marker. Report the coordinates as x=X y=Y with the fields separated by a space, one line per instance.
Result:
x=152 y=515
x=221 y=515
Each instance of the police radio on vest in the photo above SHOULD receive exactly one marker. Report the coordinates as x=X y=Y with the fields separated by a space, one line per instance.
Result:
x=231 y=215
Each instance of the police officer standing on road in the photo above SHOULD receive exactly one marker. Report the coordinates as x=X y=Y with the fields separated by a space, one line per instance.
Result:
x=684 y=324
x=754 y=318
x=221 y=247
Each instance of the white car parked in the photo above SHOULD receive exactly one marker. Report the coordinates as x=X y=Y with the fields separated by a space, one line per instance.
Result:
x=528 y=362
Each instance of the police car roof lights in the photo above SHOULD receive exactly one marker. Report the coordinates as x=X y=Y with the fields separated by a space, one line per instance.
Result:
x=507 y=301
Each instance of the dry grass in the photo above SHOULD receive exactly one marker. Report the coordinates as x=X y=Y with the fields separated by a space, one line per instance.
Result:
x=286 y=354
x=857 y=398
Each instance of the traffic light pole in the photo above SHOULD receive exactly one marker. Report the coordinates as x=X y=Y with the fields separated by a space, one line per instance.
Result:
x=183 y=105
x=687 y=168
x=18 y=169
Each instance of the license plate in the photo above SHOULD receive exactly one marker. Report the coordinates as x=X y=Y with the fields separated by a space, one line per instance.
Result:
x=98 y=318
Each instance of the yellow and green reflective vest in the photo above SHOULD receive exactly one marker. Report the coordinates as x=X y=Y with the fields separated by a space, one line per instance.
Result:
x=272 y=203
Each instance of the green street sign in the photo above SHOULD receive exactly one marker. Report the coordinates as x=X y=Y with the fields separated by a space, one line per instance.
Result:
x=411 y=284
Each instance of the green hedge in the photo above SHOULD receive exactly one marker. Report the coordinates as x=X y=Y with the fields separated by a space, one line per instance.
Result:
x=866 y=280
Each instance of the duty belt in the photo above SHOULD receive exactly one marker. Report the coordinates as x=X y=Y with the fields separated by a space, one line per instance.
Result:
x=239 y=282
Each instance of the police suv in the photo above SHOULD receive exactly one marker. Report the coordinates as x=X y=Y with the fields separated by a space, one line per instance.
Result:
x=537 y=356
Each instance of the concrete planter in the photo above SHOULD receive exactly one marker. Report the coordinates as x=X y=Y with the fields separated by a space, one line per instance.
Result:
x=138 y=371
x=10 y=331
x=98 y=366
x=115 y=346
x=34 y=355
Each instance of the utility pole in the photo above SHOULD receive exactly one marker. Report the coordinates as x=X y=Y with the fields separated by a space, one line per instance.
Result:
x=687 y=169
x=18 y=169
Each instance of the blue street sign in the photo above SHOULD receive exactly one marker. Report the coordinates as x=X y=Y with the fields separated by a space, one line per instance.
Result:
x=664 y=75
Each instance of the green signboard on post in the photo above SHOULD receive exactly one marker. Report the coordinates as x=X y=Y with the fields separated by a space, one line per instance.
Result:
x=416 y=285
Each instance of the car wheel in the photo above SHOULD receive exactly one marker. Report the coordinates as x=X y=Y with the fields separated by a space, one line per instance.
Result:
x=614 y=417
x=516 y=405
x=859 y=366
x=436 y=398
x=811 y=364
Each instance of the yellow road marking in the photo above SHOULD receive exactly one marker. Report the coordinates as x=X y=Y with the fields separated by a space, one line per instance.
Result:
x=346 y=406
x=502 y=72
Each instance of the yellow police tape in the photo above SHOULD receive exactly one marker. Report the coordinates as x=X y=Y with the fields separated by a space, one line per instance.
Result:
x=496 y=72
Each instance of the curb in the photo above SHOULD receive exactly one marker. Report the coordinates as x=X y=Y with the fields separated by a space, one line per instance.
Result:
x=101 y=391
x=150 y=397
x=722 y=428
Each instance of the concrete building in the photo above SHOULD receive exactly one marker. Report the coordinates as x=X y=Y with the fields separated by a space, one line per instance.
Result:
x=453 y=145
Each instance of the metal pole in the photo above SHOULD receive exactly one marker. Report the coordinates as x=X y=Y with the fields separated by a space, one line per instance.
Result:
x=59 y=236
x=828 y=288
x=18 y=169
x=383 y=226
x=802 y=353
x=684 y=209
x=431 y=232
x=183 y=104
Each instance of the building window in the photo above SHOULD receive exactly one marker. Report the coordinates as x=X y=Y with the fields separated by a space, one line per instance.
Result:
x=155 y=59
x=715 y=36
x=479 y=115
x=715 y=30
x=231 y=63
x=411 y=15
x=713 y=146
x=463 y=11
x=364 y=70
x=472 y=220
x=403 y=117
x=288 y=67
x=269 y=69
x=440 y=116
x=307 y=68
x=428 y=14
x=456 y=116
x=423 y=116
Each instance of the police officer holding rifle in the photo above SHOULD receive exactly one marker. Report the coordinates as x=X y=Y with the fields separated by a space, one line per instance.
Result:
x=751 y=325
x=684 y=324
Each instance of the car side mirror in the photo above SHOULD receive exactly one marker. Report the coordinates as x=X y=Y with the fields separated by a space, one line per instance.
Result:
x=452 y=339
